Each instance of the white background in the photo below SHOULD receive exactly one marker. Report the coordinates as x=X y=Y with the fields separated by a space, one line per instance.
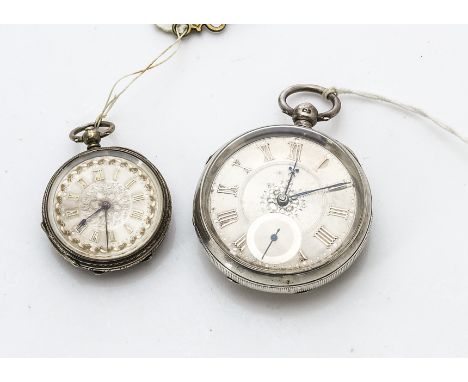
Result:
x=406 y=296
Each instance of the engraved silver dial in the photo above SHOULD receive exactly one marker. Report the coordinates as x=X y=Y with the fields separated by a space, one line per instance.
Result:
x=282 y=201
x=106 y=205
x=284 y=173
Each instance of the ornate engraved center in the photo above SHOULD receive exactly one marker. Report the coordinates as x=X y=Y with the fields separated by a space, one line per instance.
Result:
x=269 y=200
x=114 y=193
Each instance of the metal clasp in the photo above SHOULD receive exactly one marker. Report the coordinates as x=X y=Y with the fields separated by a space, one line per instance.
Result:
x=186 y=29
x=92 y=135
x=305 y=114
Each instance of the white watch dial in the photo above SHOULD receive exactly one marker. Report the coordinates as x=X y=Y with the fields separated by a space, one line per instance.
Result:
x=282 y=176
x=274 y=238
x=105 y=207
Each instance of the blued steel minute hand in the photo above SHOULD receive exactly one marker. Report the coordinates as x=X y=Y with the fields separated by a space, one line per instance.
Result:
x=332 y=188
x=293 y=171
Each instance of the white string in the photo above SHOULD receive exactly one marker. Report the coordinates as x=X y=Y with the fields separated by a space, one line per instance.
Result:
x=114 y=95
x=409 y=108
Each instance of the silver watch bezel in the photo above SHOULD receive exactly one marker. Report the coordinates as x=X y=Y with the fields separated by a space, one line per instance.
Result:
x=282 y=283
x=107 y=265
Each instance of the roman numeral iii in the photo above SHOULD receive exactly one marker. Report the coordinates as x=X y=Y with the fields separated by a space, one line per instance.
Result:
x=325 y=236
x=138 y=197
x=137 y=214
x=339 y=212
x=71 y=213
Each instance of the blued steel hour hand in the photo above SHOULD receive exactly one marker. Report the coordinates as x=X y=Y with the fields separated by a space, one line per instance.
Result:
x=293 y=171
x=104 y=207
x=283 y=198
x=331 y=188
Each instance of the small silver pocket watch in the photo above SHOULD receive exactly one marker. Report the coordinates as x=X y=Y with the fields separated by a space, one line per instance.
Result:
x=284 y=208
x=107 y=208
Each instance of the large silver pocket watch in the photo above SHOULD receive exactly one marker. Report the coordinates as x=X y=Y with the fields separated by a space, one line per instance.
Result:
x=107 y=208
x=284 y=208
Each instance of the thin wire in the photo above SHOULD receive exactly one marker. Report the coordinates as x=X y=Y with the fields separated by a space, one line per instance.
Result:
x=114 y=96
x=403 y=106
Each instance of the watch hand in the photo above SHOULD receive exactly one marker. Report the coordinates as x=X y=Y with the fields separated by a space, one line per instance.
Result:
x=332 y=188
x=107 y=232
x=273 y=238
x=283 y=198
x=104 y=206
x=84 y=221
x=293 y=172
